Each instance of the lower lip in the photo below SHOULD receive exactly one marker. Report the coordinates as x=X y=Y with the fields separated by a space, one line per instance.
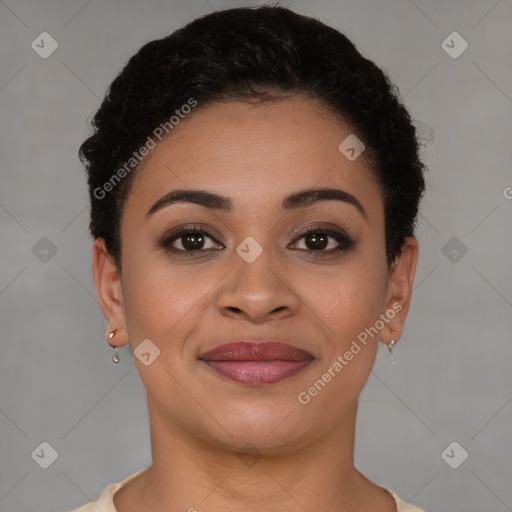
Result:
x=258 y=373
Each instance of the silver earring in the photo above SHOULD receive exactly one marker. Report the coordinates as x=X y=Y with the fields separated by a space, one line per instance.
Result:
x=115 y=357
x=390 y=349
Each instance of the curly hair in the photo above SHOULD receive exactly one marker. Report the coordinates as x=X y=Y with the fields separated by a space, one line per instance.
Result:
x=264 y=53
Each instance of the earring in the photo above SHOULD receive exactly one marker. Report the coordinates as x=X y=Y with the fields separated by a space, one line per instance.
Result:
x=390 y=349
x=115 y=357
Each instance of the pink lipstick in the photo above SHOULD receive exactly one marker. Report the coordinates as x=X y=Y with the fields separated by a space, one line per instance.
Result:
x=256 y=364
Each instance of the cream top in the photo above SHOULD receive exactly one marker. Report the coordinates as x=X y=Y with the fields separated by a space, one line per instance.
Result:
x=105 y=503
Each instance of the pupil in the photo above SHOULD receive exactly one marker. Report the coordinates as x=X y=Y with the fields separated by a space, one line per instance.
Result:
x=195 y=239
x=315 y=238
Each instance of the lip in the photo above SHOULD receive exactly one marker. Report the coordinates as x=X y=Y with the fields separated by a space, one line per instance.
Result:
x=260 y=351
x=257 y=364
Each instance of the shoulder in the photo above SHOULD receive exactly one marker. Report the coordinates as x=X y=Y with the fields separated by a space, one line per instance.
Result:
x=105 y=502
x=402 y=505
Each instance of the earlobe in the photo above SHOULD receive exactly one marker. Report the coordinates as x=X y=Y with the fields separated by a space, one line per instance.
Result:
x=401 y=285
x=108 y=288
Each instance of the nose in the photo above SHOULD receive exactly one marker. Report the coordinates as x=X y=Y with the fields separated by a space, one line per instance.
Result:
x=258 y=292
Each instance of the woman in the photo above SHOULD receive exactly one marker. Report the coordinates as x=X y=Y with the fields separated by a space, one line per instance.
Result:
x=254 y=187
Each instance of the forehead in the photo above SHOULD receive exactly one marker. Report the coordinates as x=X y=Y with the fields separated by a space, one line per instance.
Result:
x=255 y=153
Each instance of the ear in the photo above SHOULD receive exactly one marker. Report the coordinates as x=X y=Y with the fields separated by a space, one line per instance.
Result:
x=398 y=300
x=110 y=293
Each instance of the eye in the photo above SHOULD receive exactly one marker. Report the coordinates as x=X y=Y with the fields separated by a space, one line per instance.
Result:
x=319 y=239
x=188 y=239
x=195 y=239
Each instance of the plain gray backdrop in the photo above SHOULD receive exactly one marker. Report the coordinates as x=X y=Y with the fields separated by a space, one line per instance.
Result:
x=452 y=381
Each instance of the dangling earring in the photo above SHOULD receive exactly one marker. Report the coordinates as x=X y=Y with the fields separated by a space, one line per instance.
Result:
x=115 y=357
x=390 y=348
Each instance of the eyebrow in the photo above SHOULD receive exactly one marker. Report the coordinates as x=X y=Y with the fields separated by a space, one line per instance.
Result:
x=300 y=199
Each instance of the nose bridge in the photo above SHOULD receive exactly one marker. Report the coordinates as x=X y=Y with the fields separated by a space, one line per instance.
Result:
x=255 y=287
x=253 y=265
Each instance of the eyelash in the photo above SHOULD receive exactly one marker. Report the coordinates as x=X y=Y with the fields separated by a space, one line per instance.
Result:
x=345 y=242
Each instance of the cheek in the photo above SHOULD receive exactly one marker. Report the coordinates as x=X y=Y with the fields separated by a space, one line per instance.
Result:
x=349 y=299
x=166 y=301
x=159 y=298
x=347 y=306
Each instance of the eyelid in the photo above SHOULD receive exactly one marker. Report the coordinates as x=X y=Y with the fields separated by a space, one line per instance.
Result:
x=318 y=226
x=192 y=227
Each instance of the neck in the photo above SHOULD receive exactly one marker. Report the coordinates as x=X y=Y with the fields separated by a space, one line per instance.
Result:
x=189 y=473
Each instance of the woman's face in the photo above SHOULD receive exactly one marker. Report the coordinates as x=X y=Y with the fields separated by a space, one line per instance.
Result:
x=256 y=274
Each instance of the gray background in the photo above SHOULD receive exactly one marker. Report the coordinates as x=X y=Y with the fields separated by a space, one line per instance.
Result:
x=452 y=380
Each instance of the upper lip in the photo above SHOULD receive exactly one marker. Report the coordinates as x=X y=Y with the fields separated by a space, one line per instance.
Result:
x=270 y=350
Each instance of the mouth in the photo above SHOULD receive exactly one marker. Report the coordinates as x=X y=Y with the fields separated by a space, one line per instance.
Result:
x=256 y=364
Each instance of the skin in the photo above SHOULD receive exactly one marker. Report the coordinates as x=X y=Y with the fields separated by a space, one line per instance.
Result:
x=199 y=420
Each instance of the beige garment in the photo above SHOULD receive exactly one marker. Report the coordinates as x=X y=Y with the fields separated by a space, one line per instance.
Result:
x=105 y=502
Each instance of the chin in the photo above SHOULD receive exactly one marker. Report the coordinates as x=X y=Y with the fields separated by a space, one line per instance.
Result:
x=265 y=429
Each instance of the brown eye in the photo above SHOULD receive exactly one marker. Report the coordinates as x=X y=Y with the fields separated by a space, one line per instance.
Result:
x=325 y=241
x=192 y=241
x=189 y=240
x=316 y=241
